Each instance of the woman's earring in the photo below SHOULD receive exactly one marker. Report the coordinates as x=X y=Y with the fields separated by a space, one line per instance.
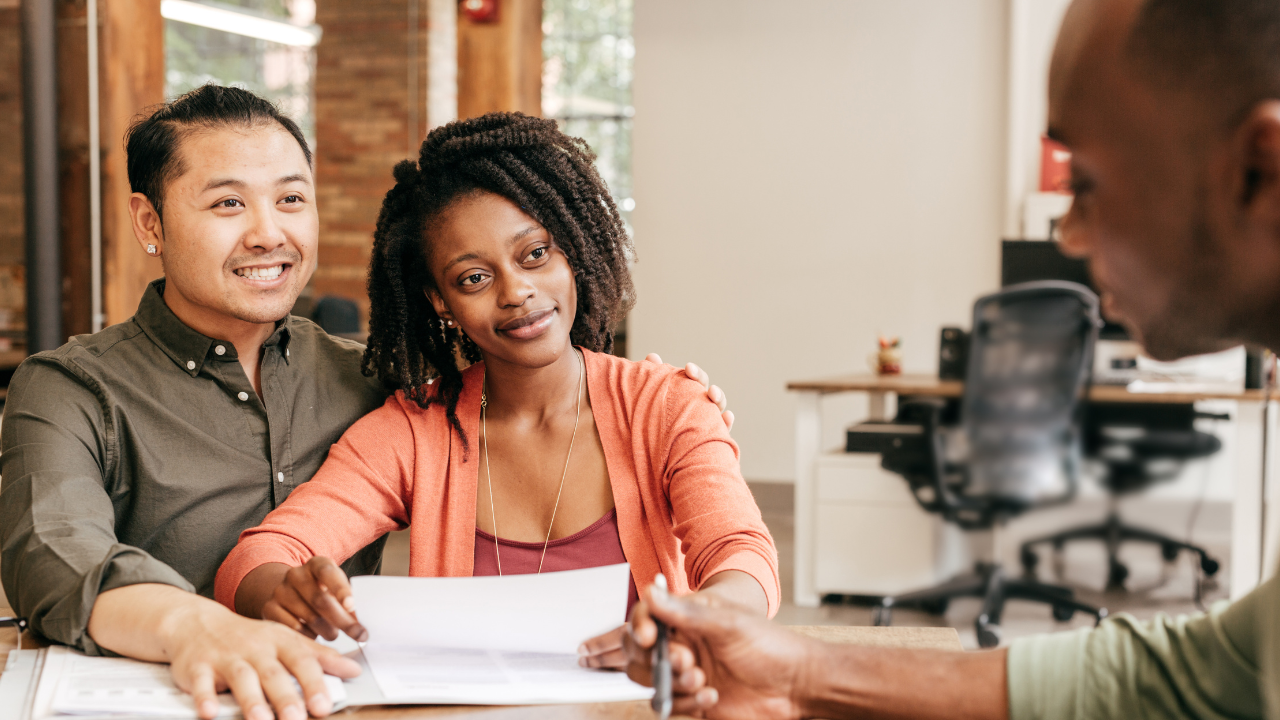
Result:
x=449 y=323
x=151 y=249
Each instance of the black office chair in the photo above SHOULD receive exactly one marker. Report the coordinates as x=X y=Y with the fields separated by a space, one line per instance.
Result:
x=338 y=316
x=1017 y=444
x=1139 y=446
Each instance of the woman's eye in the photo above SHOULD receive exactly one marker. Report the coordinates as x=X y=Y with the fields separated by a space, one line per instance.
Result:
x=292 y=199
x=538 y=253
x=473 y=279
x=230 y=203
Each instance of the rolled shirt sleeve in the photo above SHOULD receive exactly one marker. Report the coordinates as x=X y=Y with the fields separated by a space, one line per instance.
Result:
x=1197 y=666
x=58 y=546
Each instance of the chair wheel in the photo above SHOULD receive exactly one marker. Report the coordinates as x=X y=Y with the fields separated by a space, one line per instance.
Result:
x=988 y=633
x=1209 y=565
x=1116 y=576
x=1063 y=613
x=882 y=616
x=1170 y=552
x=1029 y=561
x=935 y=607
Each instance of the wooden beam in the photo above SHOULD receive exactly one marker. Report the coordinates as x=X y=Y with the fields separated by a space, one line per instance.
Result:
x=500 y=63
x=132 y=79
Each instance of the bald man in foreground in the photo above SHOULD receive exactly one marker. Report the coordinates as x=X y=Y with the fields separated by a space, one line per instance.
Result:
x=1172 y=111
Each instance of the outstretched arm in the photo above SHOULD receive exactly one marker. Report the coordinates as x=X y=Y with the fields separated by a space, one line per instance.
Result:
x=733 y=664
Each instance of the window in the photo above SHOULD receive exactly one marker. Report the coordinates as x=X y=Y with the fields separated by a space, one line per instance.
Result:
x=587 y=53
x=227 y=43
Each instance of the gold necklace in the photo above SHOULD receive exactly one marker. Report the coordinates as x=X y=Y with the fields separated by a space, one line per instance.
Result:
x=484 y=437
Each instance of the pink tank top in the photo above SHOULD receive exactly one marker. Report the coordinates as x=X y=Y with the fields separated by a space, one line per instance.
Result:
x=594 y=546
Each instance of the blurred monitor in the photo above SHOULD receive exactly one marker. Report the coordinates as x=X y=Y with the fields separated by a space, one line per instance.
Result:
x=1029 y=260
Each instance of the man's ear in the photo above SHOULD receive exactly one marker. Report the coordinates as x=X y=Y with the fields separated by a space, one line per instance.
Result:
x=1258 y=144
x=147 y=227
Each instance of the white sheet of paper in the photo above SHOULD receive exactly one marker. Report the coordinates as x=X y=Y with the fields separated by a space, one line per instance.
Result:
x=493 y=640
x=407 y=673
x=547 y=613
x=84 y=685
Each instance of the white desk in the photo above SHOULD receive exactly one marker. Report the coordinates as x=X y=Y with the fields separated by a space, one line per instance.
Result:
x=1253 y=546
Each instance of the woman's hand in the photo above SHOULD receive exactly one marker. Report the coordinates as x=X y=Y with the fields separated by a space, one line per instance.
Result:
x=315 y=599
x=604 y=651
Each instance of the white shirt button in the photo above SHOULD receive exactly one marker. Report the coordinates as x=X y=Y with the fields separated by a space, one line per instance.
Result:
x=286 y=352
x=279 y=477
x=220 y=350
x=191 y=364
x=243 y=396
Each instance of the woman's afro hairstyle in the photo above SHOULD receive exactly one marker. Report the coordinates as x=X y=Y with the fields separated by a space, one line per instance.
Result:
x=531 y=163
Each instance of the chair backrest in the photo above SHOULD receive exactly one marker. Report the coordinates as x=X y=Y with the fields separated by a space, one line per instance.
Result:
x=336 y=315
x=1030 y=357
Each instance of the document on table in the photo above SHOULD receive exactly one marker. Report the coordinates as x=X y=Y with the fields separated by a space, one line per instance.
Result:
x=493 y=640
x=72 y=683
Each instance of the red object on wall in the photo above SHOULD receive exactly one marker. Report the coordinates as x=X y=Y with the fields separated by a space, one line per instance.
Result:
x=480 y=11
x=1055 y=167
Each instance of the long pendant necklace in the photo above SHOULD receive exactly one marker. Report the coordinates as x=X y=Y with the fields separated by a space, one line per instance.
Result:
x=484 y=437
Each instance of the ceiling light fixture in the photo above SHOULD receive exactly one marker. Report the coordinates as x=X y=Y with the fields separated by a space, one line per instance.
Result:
x=239 y=23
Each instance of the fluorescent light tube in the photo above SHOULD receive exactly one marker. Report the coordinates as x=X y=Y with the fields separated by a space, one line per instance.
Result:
x=239 y=23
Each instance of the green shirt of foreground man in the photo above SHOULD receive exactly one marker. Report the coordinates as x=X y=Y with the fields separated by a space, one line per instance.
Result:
x=1172 y=111
x=133 y=458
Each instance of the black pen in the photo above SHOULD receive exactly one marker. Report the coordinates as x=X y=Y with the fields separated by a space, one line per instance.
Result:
x=661 y=702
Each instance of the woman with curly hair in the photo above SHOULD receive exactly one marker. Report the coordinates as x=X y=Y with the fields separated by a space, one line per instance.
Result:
x=514 y=443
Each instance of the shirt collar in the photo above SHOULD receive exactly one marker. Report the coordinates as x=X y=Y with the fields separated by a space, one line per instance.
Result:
x=186 y=347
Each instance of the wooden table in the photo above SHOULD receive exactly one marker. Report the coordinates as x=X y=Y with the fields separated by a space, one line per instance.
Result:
x=1256 y=480
x=905 y=637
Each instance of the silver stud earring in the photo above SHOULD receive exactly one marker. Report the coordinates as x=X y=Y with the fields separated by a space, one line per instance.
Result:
x=449 y=323
x=151 y=249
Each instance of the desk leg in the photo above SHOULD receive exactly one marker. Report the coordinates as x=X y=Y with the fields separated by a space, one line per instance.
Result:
x=808 y=441
x=1246 y=507
x=1271 y=494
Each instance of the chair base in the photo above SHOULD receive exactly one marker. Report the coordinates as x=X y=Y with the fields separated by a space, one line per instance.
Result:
x=1114 y=532
x=988 y=582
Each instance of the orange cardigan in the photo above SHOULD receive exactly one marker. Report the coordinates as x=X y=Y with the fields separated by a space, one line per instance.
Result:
x=683 y=507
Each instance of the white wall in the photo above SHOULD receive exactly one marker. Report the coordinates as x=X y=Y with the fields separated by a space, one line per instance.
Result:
x=808 y=175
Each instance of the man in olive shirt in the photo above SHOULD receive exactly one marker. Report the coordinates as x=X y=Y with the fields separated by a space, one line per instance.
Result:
x=133 y=458
x=1172 y=111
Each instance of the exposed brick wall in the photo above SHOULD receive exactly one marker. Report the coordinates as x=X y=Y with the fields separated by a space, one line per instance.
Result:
x=11 y=193
x=362 y=129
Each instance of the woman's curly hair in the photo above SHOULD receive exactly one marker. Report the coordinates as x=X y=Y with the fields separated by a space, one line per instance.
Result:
x=531 y=163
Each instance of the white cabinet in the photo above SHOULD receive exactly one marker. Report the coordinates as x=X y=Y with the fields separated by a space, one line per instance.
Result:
x=869 y=536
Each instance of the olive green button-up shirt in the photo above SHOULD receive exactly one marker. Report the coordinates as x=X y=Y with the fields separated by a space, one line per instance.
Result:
x=138 y=455
x=1216 y=665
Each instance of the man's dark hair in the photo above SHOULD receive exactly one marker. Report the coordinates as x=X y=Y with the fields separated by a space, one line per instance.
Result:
x=531 y=163
x=151 y=142
x=1225 y=51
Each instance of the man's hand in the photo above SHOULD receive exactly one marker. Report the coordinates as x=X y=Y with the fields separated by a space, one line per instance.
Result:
x=314 y=599
x=729 y=586
x=729 y=663
x=209 y=649
x=726 y=660
x=714 y=393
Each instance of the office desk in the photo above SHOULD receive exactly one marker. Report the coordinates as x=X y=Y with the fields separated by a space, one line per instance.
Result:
x=1253 y=547
x=903 y=637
